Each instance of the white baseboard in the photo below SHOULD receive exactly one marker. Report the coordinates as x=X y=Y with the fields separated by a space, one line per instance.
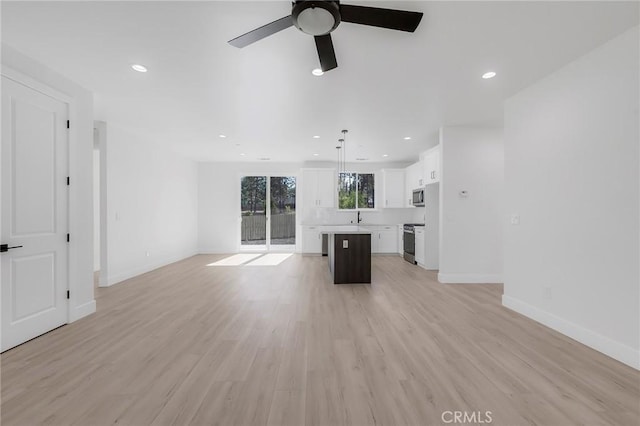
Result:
x=470 y=278
x=600 y=343
x=82 y=311
x=125 y=275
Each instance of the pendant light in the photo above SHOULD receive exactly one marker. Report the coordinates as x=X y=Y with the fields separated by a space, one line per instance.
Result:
x=342 y=168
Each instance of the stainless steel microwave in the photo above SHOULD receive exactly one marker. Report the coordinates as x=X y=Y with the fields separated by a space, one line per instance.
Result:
x=418 y=197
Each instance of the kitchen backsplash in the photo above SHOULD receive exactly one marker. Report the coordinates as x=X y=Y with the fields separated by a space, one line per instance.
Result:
x=322 y=216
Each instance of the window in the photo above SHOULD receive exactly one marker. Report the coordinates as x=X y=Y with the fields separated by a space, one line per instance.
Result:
x=356 y=191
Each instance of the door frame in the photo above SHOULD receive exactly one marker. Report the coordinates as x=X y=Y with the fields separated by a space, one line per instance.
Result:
x=268 y=248
x=101 y=128
x=72 y=138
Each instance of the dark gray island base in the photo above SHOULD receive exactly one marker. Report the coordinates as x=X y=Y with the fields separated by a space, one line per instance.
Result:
x=350 y=257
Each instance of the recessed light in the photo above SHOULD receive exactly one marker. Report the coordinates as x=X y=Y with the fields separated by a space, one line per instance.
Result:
x=315 y=155
x=139 y=68
x=407 y=138
x=384 y=155
x=488 y=75
x=222 y=136
x=316 y=137
x=242 y=154
x=317 y=72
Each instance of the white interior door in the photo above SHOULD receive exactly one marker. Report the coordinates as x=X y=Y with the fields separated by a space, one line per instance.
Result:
x=33 y=197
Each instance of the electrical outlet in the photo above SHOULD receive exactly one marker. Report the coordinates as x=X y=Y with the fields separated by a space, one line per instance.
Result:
x=515 y=219
x=147 y=254
x=345 y=244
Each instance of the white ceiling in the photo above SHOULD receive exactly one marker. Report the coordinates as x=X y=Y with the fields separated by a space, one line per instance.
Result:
x=388 y=84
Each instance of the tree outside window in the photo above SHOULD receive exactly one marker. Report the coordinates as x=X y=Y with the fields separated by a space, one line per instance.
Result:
x=253 y=195
x=356 y=191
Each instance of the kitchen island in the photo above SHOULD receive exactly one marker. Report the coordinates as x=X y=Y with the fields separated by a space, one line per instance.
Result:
x=349 y=251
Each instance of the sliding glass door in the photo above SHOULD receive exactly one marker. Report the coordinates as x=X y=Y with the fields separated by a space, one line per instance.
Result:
x=268 y=211
x=253 y=207
x=282 y=221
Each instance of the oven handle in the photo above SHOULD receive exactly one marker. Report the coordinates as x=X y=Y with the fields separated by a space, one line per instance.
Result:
x=406 y=231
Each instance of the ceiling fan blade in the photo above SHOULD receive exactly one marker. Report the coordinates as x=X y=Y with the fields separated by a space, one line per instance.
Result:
x=401 y=20
x=326 y=52
x=262 y=32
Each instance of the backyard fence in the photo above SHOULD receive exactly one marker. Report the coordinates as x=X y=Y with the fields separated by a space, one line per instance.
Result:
x=282 y=226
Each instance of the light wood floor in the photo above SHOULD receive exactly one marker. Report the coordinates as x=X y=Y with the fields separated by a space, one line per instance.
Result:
x=195 y=344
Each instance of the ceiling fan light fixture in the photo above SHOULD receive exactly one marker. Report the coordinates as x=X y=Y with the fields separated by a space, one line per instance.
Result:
x=316 y=18
x=488 y=75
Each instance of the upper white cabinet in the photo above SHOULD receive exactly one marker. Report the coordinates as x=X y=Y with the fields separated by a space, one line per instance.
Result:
x=393 y=188
x=326 y=188
x=413 y=180
x=318 y=188
x=432 y=165
x=414 y=174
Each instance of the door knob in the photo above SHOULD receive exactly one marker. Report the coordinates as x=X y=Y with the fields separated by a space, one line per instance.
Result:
x=5 y=247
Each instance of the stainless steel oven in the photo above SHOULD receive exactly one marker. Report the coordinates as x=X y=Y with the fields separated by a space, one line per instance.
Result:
x=410 y=242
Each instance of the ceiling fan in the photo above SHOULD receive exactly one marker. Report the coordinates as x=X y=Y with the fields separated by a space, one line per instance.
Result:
x=320 y=17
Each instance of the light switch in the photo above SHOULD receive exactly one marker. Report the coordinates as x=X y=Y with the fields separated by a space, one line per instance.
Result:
x=515 y=219
x=345 y=244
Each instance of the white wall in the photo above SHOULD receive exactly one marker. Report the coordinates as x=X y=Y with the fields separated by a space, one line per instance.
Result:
x=571 y=145
x=219 y=201
x=96 y=209
x=472 y=160
x=432 y=226
x=81 y=301
x=152 y=205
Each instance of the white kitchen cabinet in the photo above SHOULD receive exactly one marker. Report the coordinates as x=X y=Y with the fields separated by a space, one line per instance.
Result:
x=393 y=188
x=384 y=239
x=401 y=240
x=387 y=240
x=432 y=165
x=311 y=240
x=327 y=188
x=318 y=188
x=413 y=180
x=420 y=245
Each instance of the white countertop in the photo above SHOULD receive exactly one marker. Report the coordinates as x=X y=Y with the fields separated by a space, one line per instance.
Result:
x=351 y=225
x=344 y=229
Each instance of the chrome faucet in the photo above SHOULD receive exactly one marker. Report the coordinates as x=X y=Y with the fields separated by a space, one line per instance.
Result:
x=359 y=218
